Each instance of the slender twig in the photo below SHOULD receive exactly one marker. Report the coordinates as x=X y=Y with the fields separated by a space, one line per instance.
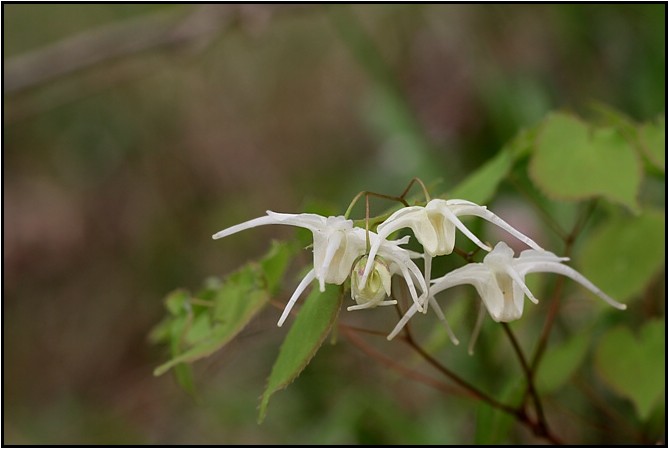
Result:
x=541 y=417
x=362 y=330
x=467 y=255
x=557 y=293
x=121 y=40
x=369 y=193
x=391 y=363
x=422 y=185
x=473 y=391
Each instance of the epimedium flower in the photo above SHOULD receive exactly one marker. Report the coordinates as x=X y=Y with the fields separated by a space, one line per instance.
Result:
x=434 y=227
x=333 y=257
x=336 y=246
x=378 y=284
x=500 y=282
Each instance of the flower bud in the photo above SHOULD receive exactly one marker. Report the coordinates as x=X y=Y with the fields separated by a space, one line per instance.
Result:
x=377 y=286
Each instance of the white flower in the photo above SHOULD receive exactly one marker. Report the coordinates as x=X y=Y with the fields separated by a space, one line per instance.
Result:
x=500 y=281
x=336 y=246
x=334 y=253
x=434 y=227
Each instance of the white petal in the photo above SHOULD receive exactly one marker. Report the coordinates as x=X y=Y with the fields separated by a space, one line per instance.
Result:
x=310 y=276
x=309 y=221
x=442 y=318
x=450 y=216
x=476 y=331
x=412 y=289
x=369 y=305
x=399 y=214
x=518 y=279
x=484 y=213
x=260 y=221
x=532 y=255
x=555 y=267
x=469 y=274
x=334 y=241
x=403 y=321
x=428 y=274
x=399 y=220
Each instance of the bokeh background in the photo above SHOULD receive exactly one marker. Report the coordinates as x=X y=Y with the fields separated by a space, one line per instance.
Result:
x=133 y=132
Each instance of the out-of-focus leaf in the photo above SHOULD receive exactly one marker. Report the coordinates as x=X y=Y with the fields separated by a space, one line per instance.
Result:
x=560 y=363
x=624 y=254
x=303 y=340
x=653 y=140
x=493 y=425
x=182 y=372
x=177 y=302
x=198 y=330
x=634 y=367
x=481 y=185
x=274 y=265
x=573 y=161
x=240 y=297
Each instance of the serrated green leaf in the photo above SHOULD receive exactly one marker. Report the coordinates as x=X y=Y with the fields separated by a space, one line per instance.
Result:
x=239 y=298
x=560 y=363
x=574 y=161
x=481 y=185
x=624 y=254
x=305 y=336
x=634 y=367
x=653 y=140
x=274 y=265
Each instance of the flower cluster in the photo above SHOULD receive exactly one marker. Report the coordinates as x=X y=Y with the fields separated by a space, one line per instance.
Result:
x=370 y=259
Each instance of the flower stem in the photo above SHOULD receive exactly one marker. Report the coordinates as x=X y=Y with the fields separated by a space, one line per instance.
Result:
x=541 y=417
x=422 y=185
x=557 y=293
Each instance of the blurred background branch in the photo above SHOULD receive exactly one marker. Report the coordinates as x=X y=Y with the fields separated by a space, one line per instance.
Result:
x=157 y=31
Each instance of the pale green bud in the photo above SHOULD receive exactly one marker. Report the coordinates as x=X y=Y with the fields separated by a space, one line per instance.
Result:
x=377 y=287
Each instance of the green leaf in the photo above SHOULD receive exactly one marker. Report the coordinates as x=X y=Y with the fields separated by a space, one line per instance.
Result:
x=480 y=186
x=634 y=368
x=305 y=336
x=182 y=372
x=492 y=424
x=574 y=161
x=177 y=302
x=274 y=265
x=623 y=255
x=653 y=140
x=560 y=363
x=239 y=298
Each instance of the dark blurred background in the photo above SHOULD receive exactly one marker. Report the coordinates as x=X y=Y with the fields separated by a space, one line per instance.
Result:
x=133 y=132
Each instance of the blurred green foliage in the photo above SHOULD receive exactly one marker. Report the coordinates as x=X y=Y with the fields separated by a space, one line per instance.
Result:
x=116 y=175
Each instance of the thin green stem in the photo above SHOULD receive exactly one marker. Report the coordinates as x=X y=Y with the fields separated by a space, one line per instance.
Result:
x=353 y=201
x=368 y=193
x=422 y=185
